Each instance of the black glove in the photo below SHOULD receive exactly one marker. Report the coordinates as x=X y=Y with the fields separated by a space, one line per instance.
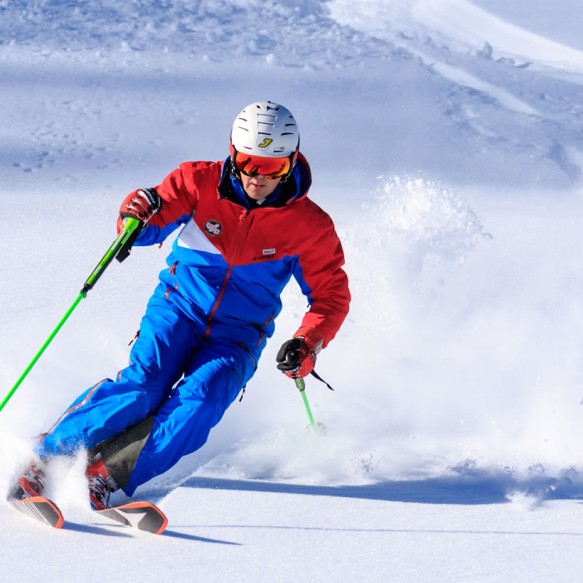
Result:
x=295 y=358
x=142 y=204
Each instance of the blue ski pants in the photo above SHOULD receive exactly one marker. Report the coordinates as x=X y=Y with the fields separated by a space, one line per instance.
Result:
x=183 y=380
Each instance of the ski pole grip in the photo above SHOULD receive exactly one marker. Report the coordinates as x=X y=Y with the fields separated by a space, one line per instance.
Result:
x=128 y=243
x=119 y=248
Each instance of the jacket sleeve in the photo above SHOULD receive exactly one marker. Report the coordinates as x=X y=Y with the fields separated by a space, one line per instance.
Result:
x=323 y=280
x=179 y=192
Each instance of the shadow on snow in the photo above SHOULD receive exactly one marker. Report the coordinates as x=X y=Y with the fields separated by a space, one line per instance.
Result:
x=479 y=487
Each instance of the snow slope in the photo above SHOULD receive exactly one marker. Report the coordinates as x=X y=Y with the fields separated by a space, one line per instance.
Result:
x=445 y=140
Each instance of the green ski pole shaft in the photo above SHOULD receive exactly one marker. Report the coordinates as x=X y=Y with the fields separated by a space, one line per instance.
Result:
x=40 y=352
x=119 y=246
x=302 y=387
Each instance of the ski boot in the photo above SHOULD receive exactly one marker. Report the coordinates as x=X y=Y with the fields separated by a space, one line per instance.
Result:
x=31 y=483
x=101 y=484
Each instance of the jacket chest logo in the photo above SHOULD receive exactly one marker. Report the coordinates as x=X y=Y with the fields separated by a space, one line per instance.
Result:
x=265 y=254
x=213 y=228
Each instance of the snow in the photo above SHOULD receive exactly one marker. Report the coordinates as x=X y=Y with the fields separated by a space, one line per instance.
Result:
x=445 y=140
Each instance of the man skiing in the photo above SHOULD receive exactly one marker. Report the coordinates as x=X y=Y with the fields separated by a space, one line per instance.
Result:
x=248 y=226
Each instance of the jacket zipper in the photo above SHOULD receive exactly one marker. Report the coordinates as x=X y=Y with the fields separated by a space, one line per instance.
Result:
x=244 y=227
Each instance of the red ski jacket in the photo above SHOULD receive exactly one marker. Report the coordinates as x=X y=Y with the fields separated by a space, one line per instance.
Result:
x=230 y=262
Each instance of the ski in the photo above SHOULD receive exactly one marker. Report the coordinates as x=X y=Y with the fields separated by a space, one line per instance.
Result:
x=41 y=509
x=141 y=515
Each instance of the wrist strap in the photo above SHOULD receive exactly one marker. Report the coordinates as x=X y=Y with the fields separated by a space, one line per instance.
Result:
x=315 y=374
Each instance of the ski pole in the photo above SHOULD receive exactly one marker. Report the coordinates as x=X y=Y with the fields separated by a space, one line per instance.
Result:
x=301 y=385
x=119 y=249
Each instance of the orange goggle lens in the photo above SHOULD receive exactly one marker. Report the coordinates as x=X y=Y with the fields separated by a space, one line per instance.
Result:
x=253 y=165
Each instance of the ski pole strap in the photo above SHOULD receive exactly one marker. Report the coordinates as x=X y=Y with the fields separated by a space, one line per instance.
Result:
x=302 y=385
x=315 y=374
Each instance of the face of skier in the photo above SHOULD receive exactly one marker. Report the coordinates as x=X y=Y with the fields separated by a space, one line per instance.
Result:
x=259 y=187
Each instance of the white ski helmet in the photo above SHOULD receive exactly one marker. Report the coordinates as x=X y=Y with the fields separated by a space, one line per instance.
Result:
x=267 y=130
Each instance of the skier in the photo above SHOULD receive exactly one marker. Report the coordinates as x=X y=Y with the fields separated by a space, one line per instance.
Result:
x=248 y=227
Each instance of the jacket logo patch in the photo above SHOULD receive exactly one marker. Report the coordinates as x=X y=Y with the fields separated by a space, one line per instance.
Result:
x=269 y=251
x=213 y=227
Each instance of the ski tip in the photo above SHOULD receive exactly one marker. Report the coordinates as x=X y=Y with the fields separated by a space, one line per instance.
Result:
x=162 y=517
x=162 y=526
x=162 y=520
x=41 y=509
x=141 y=515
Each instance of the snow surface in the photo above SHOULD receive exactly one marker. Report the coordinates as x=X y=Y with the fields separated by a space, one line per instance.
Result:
x=445 y=138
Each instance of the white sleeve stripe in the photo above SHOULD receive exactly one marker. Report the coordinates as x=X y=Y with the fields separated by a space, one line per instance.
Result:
x=192 y=237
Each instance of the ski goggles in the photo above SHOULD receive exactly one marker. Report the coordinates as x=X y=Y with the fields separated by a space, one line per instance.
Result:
x=271 y=168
